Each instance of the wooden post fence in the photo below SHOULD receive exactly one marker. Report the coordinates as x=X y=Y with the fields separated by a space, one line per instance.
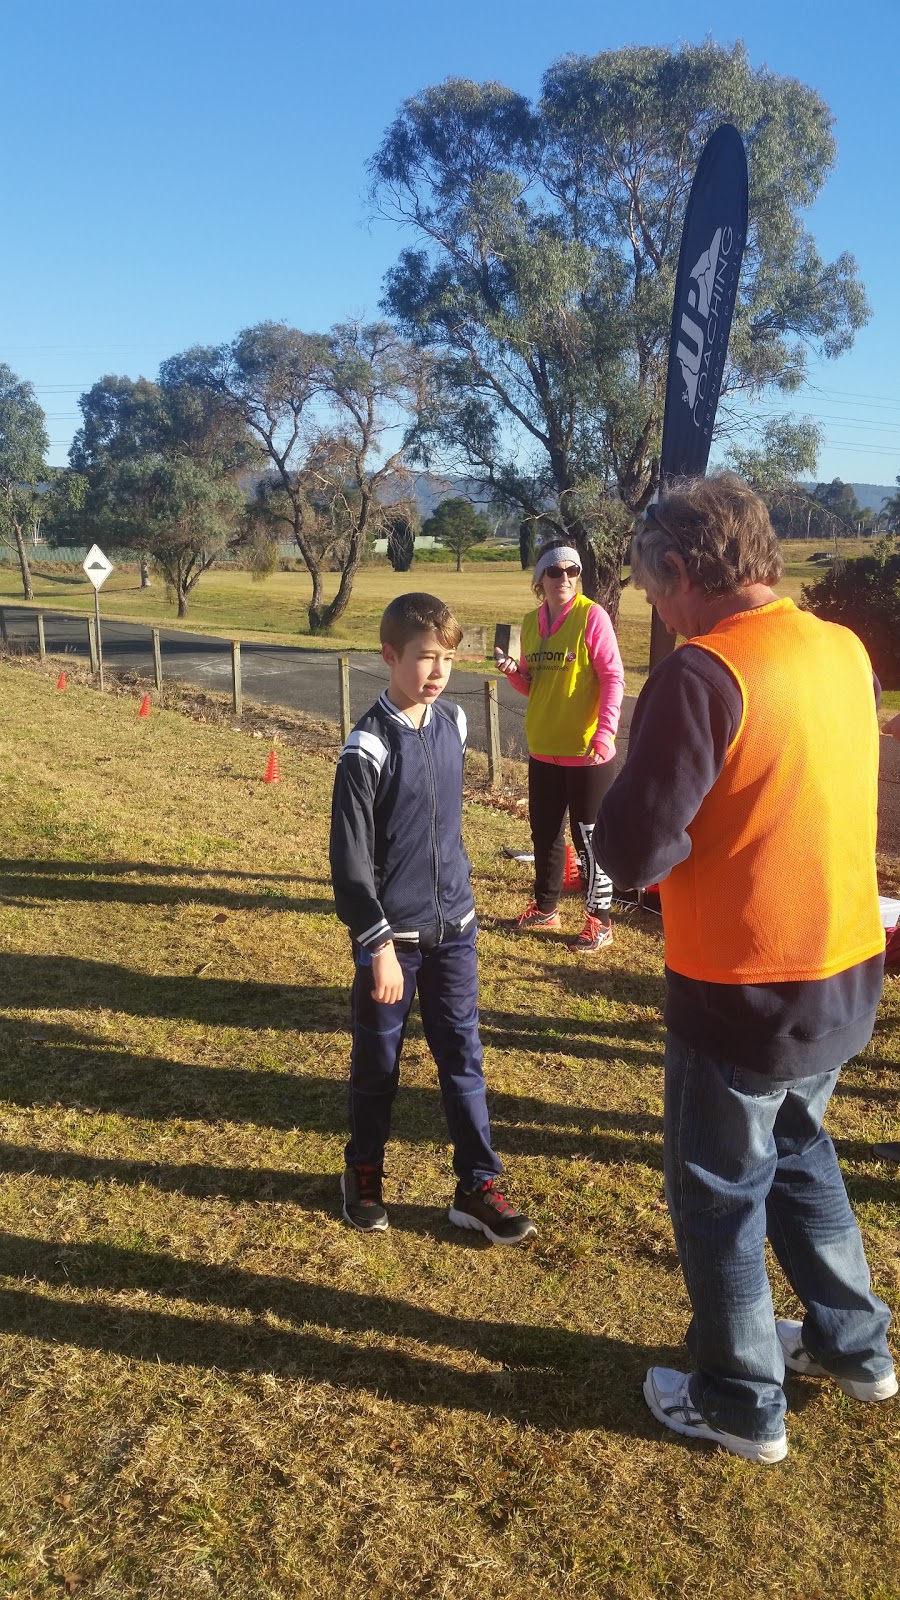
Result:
x=344 y=693
x=237 y=695
x=157 y=660
x=42 y=643
x=3 y=633
x=492 y=729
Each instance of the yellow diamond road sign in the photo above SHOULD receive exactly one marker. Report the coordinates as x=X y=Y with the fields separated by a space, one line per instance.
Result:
x=97 y=566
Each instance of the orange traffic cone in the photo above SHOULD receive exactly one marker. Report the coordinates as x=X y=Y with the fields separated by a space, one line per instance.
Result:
x=571 y=872
x=271 y=774
x=145 y=707
x=61 y=681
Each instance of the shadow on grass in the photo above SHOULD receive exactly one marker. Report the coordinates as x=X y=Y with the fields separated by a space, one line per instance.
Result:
x=871 y=1091
x=21 y=888
x=639 y=1043
x=63 y=580
x=63 y=1068
x=146 y=869
x=864 y=1185
x=550 y=1377
x=48 y=982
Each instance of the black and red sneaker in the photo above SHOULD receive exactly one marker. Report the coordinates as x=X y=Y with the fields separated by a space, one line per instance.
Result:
x=363 y=1205
x=489 y=1212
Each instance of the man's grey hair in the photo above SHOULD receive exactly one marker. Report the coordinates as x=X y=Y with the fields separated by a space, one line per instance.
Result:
x=718 y=526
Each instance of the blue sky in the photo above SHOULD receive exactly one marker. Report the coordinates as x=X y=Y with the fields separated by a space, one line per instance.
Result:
x=173 y=172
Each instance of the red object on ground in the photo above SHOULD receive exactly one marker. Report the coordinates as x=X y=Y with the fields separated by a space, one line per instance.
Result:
x=61 y=681
x=145 y=707
x=271 y=774
x=892 y=951
x=571 y=872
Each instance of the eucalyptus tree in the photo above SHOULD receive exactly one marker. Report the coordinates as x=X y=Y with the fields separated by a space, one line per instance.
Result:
x=23 y=450
x=542 y=267
x=336 y=415
x=178 y=513
x=163 y=464
x=457 y=526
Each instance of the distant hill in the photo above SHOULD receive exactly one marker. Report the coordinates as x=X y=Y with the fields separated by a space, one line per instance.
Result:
x=430 y=489
x=869 y=496
x=873 y=495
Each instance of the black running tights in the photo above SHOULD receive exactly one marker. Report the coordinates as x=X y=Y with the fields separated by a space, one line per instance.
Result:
x=553 y=791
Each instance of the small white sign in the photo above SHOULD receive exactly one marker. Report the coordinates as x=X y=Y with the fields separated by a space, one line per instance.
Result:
x=97 y=566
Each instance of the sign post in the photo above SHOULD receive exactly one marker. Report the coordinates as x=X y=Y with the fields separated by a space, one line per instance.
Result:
x=98 y=568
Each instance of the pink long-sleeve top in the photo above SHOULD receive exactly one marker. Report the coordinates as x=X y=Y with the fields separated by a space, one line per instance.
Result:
x=603 y=653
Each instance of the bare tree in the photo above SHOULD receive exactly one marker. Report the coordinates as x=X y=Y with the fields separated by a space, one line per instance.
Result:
x=337 y=415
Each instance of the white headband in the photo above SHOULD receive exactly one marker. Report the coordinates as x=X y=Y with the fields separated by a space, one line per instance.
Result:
x=555 y=558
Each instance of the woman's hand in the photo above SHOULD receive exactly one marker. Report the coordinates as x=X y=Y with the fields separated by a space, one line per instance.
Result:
x=893 y=727
x=598 y=755
x=504 y=664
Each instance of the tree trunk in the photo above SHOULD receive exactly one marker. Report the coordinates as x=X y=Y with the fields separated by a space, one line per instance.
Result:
x=23 y=563
x=601 y=576
x=182 y=603
x=459 y=561
x=339 y=604
x=145 y=573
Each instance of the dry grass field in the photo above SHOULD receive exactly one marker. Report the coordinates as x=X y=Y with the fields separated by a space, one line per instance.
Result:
x=209 y=1387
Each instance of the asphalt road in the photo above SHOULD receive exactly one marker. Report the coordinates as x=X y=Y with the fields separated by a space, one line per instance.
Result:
x=307 y=680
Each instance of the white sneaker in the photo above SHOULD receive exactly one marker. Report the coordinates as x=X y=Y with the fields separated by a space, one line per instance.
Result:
x=798 y=1358
x=667 y=1393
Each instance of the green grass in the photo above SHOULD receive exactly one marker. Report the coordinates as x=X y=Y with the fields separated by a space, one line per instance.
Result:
x=209 y=1386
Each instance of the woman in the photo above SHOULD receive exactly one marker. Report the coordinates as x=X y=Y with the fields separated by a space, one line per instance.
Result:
x=571 y=672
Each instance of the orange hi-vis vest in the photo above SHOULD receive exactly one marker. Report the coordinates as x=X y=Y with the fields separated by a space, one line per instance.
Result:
x=780 y=883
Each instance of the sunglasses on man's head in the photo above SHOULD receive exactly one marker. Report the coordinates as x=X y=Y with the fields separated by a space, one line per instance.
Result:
x=562 y=572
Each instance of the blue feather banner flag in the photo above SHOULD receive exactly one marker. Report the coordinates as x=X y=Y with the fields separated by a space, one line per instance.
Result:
x=709 y=265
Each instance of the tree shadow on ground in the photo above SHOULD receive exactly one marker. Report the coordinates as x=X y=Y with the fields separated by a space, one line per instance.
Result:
x=48 y=982
x=548 y=1377
x=23 y=888
x=870 y=1091
x=63 y=580
x=109 y=869
x=866 y=1185
x=59 y=1067
x=639 y=1043
x=610 y=980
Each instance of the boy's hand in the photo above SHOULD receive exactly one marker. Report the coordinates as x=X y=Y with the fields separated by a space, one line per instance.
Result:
x=387 y=975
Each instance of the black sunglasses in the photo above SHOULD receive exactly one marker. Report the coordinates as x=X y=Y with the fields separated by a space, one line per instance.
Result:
x=562 y=572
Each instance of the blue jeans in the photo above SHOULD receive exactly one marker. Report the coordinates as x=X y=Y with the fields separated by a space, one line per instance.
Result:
x=745 y=1157
x=446 y=978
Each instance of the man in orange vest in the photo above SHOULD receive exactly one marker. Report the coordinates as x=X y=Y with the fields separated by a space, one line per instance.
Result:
x=750 y=795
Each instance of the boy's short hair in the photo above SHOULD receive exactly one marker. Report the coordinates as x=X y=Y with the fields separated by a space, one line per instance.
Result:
x=410 y=614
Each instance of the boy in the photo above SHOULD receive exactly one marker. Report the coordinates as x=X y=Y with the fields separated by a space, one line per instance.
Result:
x=401 y=884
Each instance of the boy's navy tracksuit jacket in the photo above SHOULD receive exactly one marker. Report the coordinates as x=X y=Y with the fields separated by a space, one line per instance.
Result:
x=398 y=864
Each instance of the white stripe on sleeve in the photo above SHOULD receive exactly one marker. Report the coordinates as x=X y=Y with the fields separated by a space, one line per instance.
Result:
x=368 y=746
